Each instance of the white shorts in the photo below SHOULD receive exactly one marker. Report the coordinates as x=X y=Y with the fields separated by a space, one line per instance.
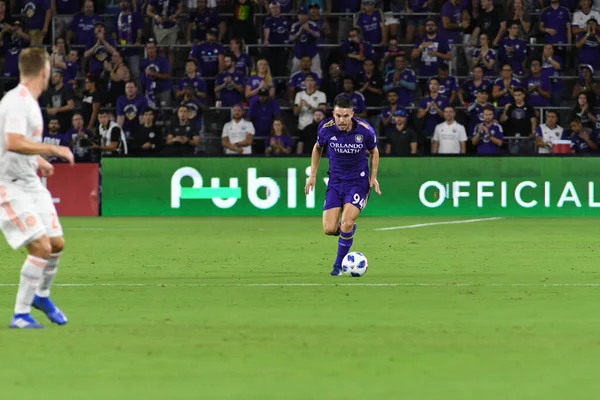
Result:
x=26 y=214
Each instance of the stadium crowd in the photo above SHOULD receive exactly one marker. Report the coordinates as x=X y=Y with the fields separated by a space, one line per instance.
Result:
x=229 y=77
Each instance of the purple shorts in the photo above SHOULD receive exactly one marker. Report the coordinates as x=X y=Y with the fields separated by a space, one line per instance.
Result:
x=339 y=194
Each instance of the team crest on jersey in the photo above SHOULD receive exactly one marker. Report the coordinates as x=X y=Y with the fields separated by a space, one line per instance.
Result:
x=130 y=111
x=358 y=138
x=29 y=9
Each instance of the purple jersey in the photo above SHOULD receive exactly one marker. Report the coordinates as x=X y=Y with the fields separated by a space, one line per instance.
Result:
x=306 y=44
x=15 y=45
x=534 y=98
x=430 y=63
x=68 y=7
x=297 y=80
x=447 y=86
x=454 y=13
x=203 y=20
x=283 y=141
x=475 y=113
x=56 y=139
x=243 y=64
x=195 y=111
x=131 y=109
x=580 y=146
x=279 y=29
x=254 y=82
x=70 y=73
x=471 y=89
x=513 y=52
x=100 y=55
x=353 y=67
x=506 y=98
x=432 y=119
x=485 y=144
x=165 y=8
x=371 y=26
x=35 y=11
x=207 y=54
x=83 y=27
x=417 y=6
x=558 y=20
x=196 y=82
x=347 y=151
x=263 y=115
x=358 y=101
x=489 y=56
x=590 y=52
x=230 y=96
x=160 y=65
x=550 y=73
x=407 y=77
x=127 y=31
x=386 y=112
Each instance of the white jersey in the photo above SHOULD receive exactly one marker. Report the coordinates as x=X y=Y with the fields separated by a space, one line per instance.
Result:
x=449 y=137
x=305 y=117
x=580 y=19
x=548 y=136
x=20 y=114
x=236 y=132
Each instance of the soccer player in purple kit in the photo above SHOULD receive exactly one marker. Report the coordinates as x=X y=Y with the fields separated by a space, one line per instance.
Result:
x=350 y=142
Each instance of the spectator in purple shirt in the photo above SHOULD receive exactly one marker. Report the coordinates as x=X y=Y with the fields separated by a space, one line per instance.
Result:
x=101 y=50
x=276 y=31
x=468 y=92
x=192 y=78
x=209 y=55
x=196 y=107
x=129 y=32
x=484 y=56
x=371 y=23
x=356 y=51
x=262 y=112
x=582 y=141
x=432 y=50
x=475 y=110
x=38 y=14
x=588 y=44
x=503 y=88
x=64 y=11
x=431 y=108
x=16 y=42
x=454 y=20
x=513 y=50
x=555 y=22
x=448 y=85
x=537 y=87
x=262 y=79
x=130 y=108
x=157 y=73
x=280 y=143
x=83 y=26
x=201 y=20
x=403 y=80
x=165 y=14
x=304 y=34
x=243 y=63
x=488 y=136
x=230 y=84
x=387 y=113
x=53 y=136
x=296 y=83
x=359 y=105
x=551 y=69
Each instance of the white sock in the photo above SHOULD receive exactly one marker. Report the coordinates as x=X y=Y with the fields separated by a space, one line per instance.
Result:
x=48 y=277
x=31 y=275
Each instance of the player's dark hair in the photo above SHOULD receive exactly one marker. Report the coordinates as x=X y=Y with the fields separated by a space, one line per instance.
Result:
x=489 y=108
x=342 y=102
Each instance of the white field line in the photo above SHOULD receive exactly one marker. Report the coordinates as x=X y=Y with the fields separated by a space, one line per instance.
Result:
x=462 y=221
x=299 y=284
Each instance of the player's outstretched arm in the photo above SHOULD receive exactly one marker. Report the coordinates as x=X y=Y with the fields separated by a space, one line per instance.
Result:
x=20 y=144
x=374 y=169
x=314 y=166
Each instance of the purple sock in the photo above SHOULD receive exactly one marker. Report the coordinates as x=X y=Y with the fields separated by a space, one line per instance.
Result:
x=344 y=244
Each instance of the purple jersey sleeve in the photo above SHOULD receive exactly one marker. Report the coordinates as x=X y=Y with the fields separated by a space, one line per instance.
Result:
x=538 y=131
x=423 y=103
x=371 y=139
x=322 y=134
x=120 y=106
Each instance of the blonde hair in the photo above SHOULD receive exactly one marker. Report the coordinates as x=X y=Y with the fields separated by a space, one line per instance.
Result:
x=32 y=61
x=268 y=78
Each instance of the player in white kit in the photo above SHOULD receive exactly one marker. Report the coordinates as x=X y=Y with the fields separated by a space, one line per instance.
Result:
x=27 y=214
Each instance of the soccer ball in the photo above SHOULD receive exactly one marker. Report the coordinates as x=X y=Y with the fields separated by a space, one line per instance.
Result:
x=355 y=264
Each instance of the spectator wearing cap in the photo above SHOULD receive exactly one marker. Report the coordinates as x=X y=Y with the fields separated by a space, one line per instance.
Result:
x=371 y=23
x=475 y=110
x=432 y=50
x=243 y=22
x=513 y=50
x=101 y=50
x=262 y=112
x=64 y=10
x=358 y=100
x=130 y=108
x=468 y=92
x=229 y=85
x=356 y=52
x=538 y=87
x=586 y=84
x=431 y=107
x=243 y=63
x=488 y=135
x=238 y=134
x=196 y=108
x=276 y=32
x=156 y=77
x=484 y=56
x=416 y=22
x=83 y=26
x=448 y=84
x=149 y=140
x=17 y=41
x=192 y=79
x=58 y=100
x=401 y=138
x=371 y=87
x=38 y=14
x=403 y=80
x=551 y=69
x=165 y=14
x=583 y=140
x=502 y=91
x=582 y=16
x=307 y=137
x=588 y=44
x=129 y=33
x=333 y=84
x=201 y=20
x=279 y=143
x=209 y=55
x=304 y=34
x=262 y=79
x=297 y=79
x=116 y=74
x=183 y=135
x=387 y=113
x=91 y=100
x=307 y=101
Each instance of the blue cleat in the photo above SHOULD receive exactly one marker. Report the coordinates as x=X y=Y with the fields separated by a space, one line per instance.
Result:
x=336 y=271
x=24 y=321
x=45 y=305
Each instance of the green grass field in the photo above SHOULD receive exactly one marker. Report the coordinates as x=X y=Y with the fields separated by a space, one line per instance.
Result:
x=215 y=308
